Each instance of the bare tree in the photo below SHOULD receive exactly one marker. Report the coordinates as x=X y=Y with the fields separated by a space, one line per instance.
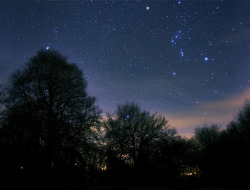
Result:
x=130 y=131
x=205 y=136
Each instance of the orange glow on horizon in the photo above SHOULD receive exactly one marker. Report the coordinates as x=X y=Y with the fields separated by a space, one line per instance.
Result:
x=213 y=112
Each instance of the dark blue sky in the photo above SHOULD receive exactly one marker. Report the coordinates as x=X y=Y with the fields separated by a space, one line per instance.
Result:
x=188 y=60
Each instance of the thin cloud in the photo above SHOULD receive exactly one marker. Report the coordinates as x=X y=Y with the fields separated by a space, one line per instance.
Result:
x=227 y=105
x=214 y=112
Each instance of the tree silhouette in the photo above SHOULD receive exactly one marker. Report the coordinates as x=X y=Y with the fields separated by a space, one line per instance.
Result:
x=130 y=133
x=207 y=139
x=236 y=143
x=48 y=109
x=207 y=135
x=240 y=126
x=50 y=127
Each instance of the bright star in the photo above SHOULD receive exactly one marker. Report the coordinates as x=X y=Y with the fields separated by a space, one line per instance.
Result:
x=47 y=47
x=182 y=53
x=174 y=73
x=206 y=58
x=147 y=8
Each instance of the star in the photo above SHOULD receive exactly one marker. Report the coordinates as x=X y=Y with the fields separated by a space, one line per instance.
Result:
x=182 y=53
x=134 y=50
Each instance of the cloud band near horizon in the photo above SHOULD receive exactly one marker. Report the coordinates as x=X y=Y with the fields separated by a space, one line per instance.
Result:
x=213 y=112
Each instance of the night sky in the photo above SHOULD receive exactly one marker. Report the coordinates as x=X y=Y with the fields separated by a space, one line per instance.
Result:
x=188 y=60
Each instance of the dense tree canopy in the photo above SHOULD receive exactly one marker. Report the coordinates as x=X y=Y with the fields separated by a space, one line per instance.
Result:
x=47 y=109
x=53 y=93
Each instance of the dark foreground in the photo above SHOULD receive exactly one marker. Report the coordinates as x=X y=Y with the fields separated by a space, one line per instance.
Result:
x=165 y=188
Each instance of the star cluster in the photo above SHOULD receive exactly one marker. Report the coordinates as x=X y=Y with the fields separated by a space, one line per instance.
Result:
x=168 y=56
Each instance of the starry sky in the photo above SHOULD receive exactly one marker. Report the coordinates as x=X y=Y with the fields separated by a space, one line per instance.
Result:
x=188 y=60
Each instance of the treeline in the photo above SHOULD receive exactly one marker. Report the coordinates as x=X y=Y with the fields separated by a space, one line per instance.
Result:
x=52 y=136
